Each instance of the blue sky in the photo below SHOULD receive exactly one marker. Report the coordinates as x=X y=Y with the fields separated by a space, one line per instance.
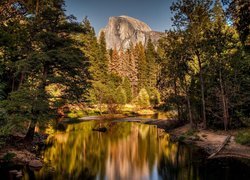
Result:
x=155 y=13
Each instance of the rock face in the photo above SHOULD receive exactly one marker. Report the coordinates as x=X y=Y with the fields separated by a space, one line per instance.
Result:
x=123 y=30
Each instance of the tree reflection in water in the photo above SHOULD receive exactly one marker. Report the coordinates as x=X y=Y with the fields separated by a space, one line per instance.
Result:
x=126 y=151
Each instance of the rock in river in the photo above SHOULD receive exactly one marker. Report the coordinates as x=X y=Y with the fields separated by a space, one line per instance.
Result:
x=100 y=129
x=36 y=164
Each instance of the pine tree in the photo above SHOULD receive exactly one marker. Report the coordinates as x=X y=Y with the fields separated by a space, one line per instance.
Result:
x=140 y=59
x=46 y=54
x=220 y=40
x=128 y=89
x=151 y=57
x=143 y=98
x=132 y=69
x=240 y=14
x=114 y=62
x=194 y=17
x=99 y=73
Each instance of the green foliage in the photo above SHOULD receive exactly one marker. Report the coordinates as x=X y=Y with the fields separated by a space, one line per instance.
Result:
x=48 y=60
x=239 y=13
x=243 y=137
x=181 y=138
x=143 y=99
x=155 y=97
x=8 y=157
x=121 y=97
x=203 y=66
x=5 y=125
x=126 y=85
x=37 y=49
x=140 y=57
x=76 y=114
x=2 y=90
x=152 y=66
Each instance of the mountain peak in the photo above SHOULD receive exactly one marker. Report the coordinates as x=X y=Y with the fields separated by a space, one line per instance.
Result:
x=123 y=30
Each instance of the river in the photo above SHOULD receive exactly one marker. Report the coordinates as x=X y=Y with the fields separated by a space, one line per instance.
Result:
x=128 y=151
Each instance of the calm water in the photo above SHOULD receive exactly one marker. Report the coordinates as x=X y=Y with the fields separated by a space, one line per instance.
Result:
x=129 y=151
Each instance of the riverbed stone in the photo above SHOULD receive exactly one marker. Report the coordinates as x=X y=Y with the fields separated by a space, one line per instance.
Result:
x=35 y=164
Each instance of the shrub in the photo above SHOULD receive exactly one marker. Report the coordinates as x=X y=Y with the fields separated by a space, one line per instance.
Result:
x=155 y=97
x=9 y=156
x=143 y=98
x=243 y=137
x=72 y=115
x=120 y=96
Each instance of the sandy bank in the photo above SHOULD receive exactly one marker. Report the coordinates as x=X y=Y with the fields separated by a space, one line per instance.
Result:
x=215 y=143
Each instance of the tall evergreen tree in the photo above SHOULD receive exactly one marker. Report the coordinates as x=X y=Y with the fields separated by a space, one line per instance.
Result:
x=140 y=58
x=194 y=17
x=222 y=41
x=151 y=58
x=47 y=55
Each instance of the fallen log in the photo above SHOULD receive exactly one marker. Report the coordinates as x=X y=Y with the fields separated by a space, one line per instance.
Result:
x=220 y=148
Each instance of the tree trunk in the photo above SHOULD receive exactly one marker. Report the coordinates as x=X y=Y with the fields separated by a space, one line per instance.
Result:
x=13 y=84
x=224 y=103
x=190 y=115
x=202 y=93
x=21 y=80
x=100 y=105
x=31 y=131
x=37 y=7
x=177 y=103
x=190 y=112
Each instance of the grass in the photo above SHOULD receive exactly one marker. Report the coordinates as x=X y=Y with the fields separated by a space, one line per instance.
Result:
x=82 y=113
x=190 y=134
x=146 y=112
x=243 y=137
x=127 y=109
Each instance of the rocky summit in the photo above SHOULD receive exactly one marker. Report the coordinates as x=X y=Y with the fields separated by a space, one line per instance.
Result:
x=123 y=31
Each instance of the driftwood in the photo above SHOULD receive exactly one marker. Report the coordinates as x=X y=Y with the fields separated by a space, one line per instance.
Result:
x=220 y=148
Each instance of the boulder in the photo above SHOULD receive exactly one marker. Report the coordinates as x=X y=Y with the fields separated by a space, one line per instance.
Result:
x=36 y=164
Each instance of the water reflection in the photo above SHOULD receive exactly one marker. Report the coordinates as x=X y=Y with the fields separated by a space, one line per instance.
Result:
x=130 y=151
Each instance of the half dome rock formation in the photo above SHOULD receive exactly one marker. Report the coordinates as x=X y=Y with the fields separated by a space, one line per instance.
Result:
x=123 y=31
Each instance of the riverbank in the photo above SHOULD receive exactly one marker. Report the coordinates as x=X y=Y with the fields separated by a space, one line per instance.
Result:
x=17 y=152
x=216 y=143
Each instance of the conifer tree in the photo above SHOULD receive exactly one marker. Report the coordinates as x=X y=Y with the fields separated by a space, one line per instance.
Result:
x=140 y=59
x=114 y=61
x=47 y=55
x=132 y=70
x=151 y=57
x=194 y=17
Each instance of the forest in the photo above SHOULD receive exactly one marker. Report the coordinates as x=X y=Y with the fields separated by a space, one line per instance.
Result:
x=75 y=109
x=200 y=69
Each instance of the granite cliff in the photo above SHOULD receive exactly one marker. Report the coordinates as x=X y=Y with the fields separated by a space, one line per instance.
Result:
x=122 y=31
